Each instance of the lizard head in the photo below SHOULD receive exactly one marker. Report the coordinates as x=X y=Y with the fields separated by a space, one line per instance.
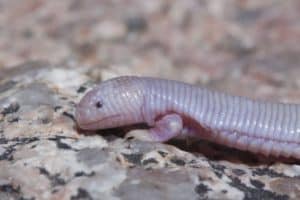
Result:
x=115 y=102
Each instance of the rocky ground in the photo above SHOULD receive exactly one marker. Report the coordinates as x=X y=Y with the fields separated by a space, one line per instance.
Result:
x=52 y=52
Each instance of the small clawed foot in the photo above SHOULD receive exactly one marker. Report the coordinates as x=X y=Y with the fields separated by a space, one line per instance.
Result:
x=140 y=134
x=168 y=127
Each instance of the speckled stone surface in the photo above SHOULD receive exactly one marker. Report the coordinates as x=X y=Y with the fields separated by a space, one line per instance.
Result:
x=52 y=52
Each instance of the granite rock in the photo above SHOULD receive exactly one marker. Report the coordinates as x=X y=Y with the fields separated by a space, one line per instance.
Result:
x=53 y=52
x=44 y=156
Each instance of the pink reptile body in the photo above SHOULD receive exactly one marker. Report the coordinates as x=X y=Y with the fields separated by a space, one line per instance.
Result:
x=176 y=109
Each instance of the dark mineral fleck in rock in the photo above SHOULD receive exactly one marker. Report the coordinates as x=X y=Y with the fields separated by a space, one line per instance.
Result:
x=12 y=108
x=82 y=194
x=136 y=24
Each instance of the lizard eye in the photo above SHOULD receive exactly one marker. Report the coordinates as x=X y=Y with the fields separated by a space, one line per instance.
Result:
x=98 y=104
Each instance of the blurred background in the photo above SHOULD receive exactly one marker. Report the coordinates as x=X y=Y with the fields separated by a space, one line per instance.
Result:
x=247 y=47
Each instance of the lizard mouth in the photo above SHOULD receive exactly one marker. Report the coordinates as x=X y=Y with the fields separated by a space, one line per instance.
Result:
x=93 y=124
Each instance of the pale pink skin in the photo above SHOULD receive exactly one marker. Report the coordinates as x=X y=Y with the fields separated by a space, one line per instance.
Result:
x=176 y=109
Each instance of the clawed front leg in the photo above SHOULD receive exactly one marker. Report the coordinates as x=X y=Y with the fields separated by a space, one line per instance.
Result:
x=168 y=127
